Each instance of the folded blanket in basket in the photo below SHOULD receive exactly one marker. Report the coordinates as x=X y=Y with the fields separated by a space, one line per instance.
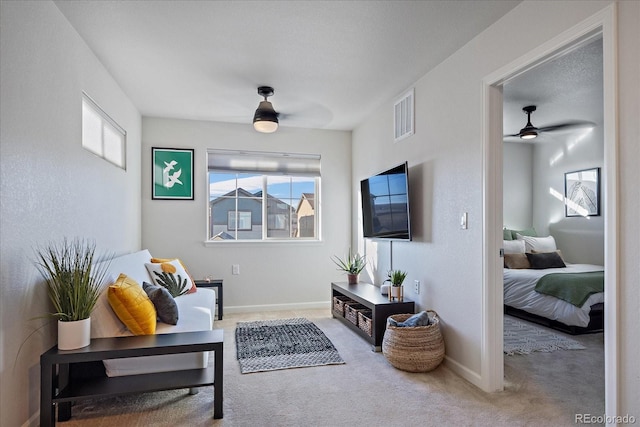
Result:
x=418 y=319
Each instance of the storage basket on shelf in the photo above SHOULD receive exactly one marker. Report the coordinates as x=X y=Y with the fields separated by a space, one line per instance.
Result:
x=351 y=310
x=364 y=321
x=414 y=348
x=338 y=305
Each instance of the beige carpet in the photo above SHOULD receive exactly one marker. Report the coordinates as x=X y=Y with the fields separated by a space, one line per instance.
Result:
x=541 y=389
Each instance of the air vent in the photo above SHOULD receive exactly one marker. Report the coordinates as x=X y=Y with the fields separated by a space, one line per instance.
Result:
x=403 y=116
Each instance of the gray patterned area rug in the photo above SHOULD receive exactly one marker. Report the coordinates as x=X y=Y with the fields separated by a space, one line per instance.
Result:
x=524 y=338
x=269 y=345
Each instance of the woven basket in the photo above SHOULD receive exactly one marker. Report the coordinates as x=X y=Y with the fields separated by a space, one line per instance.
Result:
x=351 y=310
x=414 y=348
x=338 y=305
x=364 y=321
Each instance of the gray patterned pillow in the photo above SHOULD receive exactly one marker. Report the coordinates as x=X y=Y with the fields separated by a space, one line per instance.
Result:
x=166 y=306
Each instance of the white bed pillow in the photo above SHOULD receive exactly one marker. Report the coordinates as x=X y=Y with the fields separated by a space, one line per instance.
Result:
x=538 y=244
x=513 y=246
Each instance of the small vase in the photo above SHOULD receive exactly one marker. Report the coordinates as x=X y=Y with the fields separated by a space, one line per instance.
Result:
x=74 y=334
x=395 y=292
x=352 y=279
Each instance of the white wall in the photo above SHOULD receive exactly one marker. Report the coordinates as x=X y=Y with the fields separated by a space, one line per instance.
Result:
x=580 y=239
x=445 y=156
x=51 y=187
x=272 y=275
x=517 y=185
x=629 y=206
x=531 y=170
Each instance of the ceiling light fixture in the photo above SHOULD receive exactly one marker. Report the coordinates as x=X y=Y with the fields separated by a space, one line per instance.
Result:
x=265 y=119
x=529 y=131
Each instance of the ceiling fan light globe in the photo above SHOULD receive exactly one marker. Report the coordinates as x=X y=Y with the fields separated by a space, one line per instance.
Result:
x=528 y=135
x=265 y=126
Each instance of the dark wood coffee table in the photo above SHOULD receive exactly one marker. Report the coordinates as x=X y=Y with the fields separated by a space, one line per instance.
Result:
x=57 y=388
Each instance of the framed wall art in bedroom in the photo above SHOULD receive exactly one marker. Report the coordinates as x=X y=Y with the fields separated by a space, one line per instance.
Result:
x=582 y=193
x=172 y=173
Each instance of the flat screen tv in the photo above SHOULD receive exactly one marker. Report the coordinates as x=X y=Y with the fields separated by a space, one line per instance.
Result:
x=385 y=204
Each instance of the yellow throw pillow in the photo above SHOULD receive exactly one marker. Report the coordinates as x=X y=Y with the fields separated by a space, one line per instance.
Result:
x=132 y=306
x=163 y=260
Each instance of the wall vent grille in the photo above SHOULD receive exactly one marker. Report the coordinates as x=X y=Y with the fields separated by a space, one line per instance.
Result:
x=403 y=116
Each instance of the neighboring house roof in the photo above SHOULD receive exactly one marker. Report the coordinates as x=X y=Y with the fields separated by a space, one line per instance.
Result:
x=241 y=193
x=270 y=197
x=310 y=198
x=223 y=235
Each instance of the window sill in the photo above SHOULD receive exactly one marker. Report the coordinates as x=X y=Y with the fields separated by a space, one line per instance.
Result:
x=212 y=243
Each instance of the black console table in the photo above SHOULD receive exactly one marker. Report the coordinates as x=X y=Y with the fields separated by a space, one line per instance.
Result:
x=214 y=283
x=380 y=306
x=56 y=387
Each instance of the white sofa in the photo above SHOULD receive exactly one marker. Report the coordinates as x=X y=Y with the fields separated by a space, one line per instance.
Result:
x=195 y=313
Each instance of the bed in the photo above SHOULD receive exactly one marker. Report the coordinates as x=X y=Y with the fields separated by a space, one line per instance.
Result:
x=522 y=300
x=540 y=286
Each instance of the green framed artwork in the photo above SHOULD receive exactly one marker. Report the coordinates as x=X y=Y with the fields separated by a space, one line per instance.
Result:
x=172 y=175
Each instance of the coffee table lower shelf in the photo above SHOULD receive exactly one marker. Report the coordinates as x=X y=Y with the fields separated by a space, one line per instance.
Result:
x=58 y=389
x=133 y=384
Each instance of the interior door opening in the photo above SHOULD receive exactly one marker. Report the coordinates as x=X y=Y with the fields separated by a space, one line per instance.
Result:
x=601 y=25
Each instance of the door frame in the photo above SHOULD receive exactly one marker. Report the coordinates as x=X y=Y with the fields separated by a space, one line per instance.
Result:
x=602 y=24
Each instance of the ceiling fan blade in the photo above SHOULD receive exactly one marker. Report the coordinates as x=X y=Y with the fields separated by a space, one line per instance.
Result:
x=567 y=126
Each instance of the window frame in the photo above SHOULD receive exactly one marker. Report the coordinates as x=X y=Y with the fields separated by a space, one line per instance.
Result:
x=107 y=124
x=294 y=236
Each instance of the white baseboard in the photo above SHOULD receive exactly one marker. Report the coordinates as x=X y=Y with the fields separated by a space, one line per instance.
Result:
x=466 y=373
x=277 y=307
x=34 y=421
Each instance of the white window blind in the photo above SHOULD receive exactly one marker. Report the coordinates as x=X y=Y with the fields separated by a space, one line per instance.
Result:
x=264 y=162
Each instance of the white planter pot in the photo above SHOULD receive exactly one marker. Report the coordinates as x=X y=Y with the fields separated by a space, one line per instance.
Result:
x=395 y=292
x=75 y=334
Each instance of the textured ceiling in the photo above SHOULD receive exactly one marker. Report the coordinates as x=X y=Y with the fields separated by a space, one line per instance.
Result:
x=568 y=88
x=331 y=62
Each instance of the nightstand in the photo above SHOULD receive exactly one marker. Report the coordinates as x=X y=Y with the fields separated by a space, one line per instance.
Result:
x=213 y=283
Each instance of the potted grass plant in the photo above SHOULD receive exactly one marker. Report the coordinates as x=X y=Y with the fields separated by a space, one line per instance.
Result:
x=396 y=277
x=352 y=264
x=73 y=278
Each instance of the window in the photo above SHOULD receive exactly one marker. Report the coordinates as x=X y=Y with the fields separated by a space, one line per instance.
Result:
x=101 y=134
x=242 y=218
x=262 y=196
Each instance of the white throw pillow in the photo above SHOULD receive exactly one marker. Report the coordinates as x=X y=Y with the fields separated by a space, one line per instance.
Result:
x=538 y=244
x=170 y=271
x=513 y=246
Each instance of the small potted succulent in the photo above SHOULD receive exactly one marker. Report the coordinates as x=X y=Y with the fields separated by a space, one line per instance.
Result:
x=353 y=264
x=396 y=277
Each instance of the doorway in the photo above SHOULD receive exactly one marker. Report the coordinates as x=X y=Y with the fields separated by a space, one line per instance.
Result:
x=492 y=360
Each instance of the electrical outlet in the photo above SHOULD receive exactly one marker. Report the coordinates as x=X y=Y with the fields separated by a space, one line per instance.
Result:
x=416 y=286
x=235 y=269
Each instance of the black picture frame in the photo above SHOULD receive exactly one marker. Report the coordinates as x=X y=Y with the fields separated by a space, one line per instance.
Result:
x=582 y=193
x=172 y=173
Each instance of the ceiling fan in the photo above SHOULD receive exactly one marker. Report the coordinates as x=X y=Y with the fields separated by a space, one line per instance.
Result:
x=530 y=132
x=265 y=119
